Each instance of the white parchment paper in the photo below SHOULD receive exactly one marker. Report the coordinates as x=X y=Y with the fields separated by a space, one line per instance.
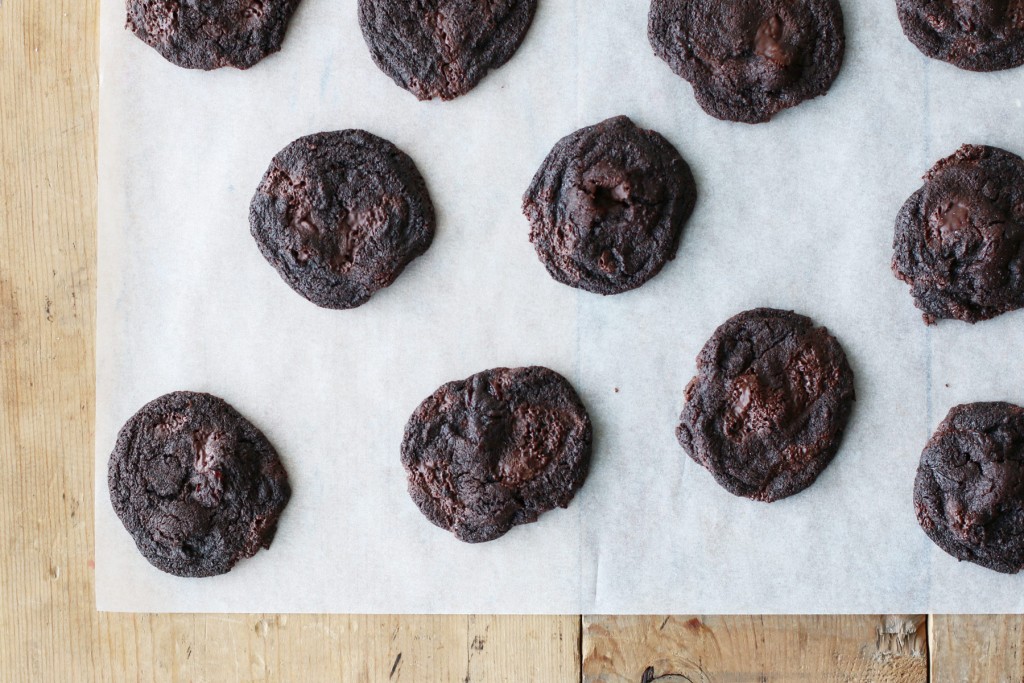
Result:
x=797 y=213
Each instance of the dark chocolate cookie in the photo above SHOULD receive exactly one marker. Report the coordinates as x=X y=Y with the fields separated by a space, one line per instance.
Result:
x=767 y=409
x=495 y=450
x=443 y=48
x=608 y=205
x=749 y=59
x=213 y=33
x=977 y=35
x=196 y=484
x=959 y=240
x=969 y=491
x=340 y=215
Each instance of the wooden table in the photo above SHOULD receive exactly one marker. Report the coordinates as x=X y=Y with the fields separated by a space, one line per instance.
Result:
x=49 y=628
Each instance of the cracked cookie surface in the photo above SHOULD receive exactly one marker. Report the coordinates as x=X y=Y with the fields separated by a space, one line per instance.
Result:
x=196 y=484
x=443 y=48
x=608 y=205
x=969 y=490
x=959 y=240
x=211 y=34
x=340 y=215
x=495 y=450
x=767 y=410
x=976 y=35
x=749 y=59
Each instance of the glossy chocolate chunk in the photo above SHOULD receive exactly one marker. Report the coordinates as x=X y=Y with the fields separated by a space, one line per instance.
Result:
x=959 y=240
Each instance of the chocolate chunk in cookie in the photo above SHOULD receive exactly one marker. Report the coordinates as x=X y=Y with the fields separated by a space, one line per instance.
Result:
x=495 y=450
x=749 y=59
x=608 y=205
x=443 y=48
x=766 y=412
x=340 y=215
x=969 y=491
x=959 y=240
x=196 y=484
x=213 y=33
x=977 y=35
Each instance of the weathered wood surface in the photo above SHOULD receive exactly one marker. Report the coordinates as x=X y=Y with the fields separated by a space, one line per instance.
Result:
x=977 y=648
x=50 y=628
x=701 y=649
x=51 y=631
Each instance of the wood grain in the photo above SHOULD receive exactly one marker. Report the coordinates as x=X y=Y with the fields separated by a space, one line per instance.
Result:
x=460 y=649
x=50 y=628
x=977 y=648
x=698 y=649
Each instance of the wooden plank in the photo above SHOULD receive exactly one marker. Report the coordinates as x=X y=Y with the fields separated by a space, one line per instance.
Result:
x=340 y=648
x=47 y=252
x=977 y=648
x=51 y=631
x=697 y=649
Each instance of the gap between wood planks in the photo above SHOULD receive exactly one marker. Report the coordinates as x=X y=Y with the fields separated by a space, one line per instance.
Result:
x=930 y=634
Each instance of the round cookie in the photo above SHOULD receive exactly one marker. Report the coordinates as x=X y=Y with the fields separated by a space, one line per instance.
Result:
x=443 y=48
x=211 y=34
x=340 y=215
x=196 y=484
x=608 y=205
x=749 y=59
x=979 y=35
x=766 y=412
x=959 y=240
x=495 y=450
x=969 y=491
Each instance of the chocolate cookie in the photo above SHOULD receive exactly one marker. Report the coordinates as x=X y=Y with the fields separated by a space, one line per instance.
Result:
x=495 y=450
x=608 y=205
x=340 y=215
x=959 y=240
x=767 y=409
x=977 y=35
x=969 y=491
x=443 y=48
x=196 y=484
x=749 y=59
x=211 y=34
